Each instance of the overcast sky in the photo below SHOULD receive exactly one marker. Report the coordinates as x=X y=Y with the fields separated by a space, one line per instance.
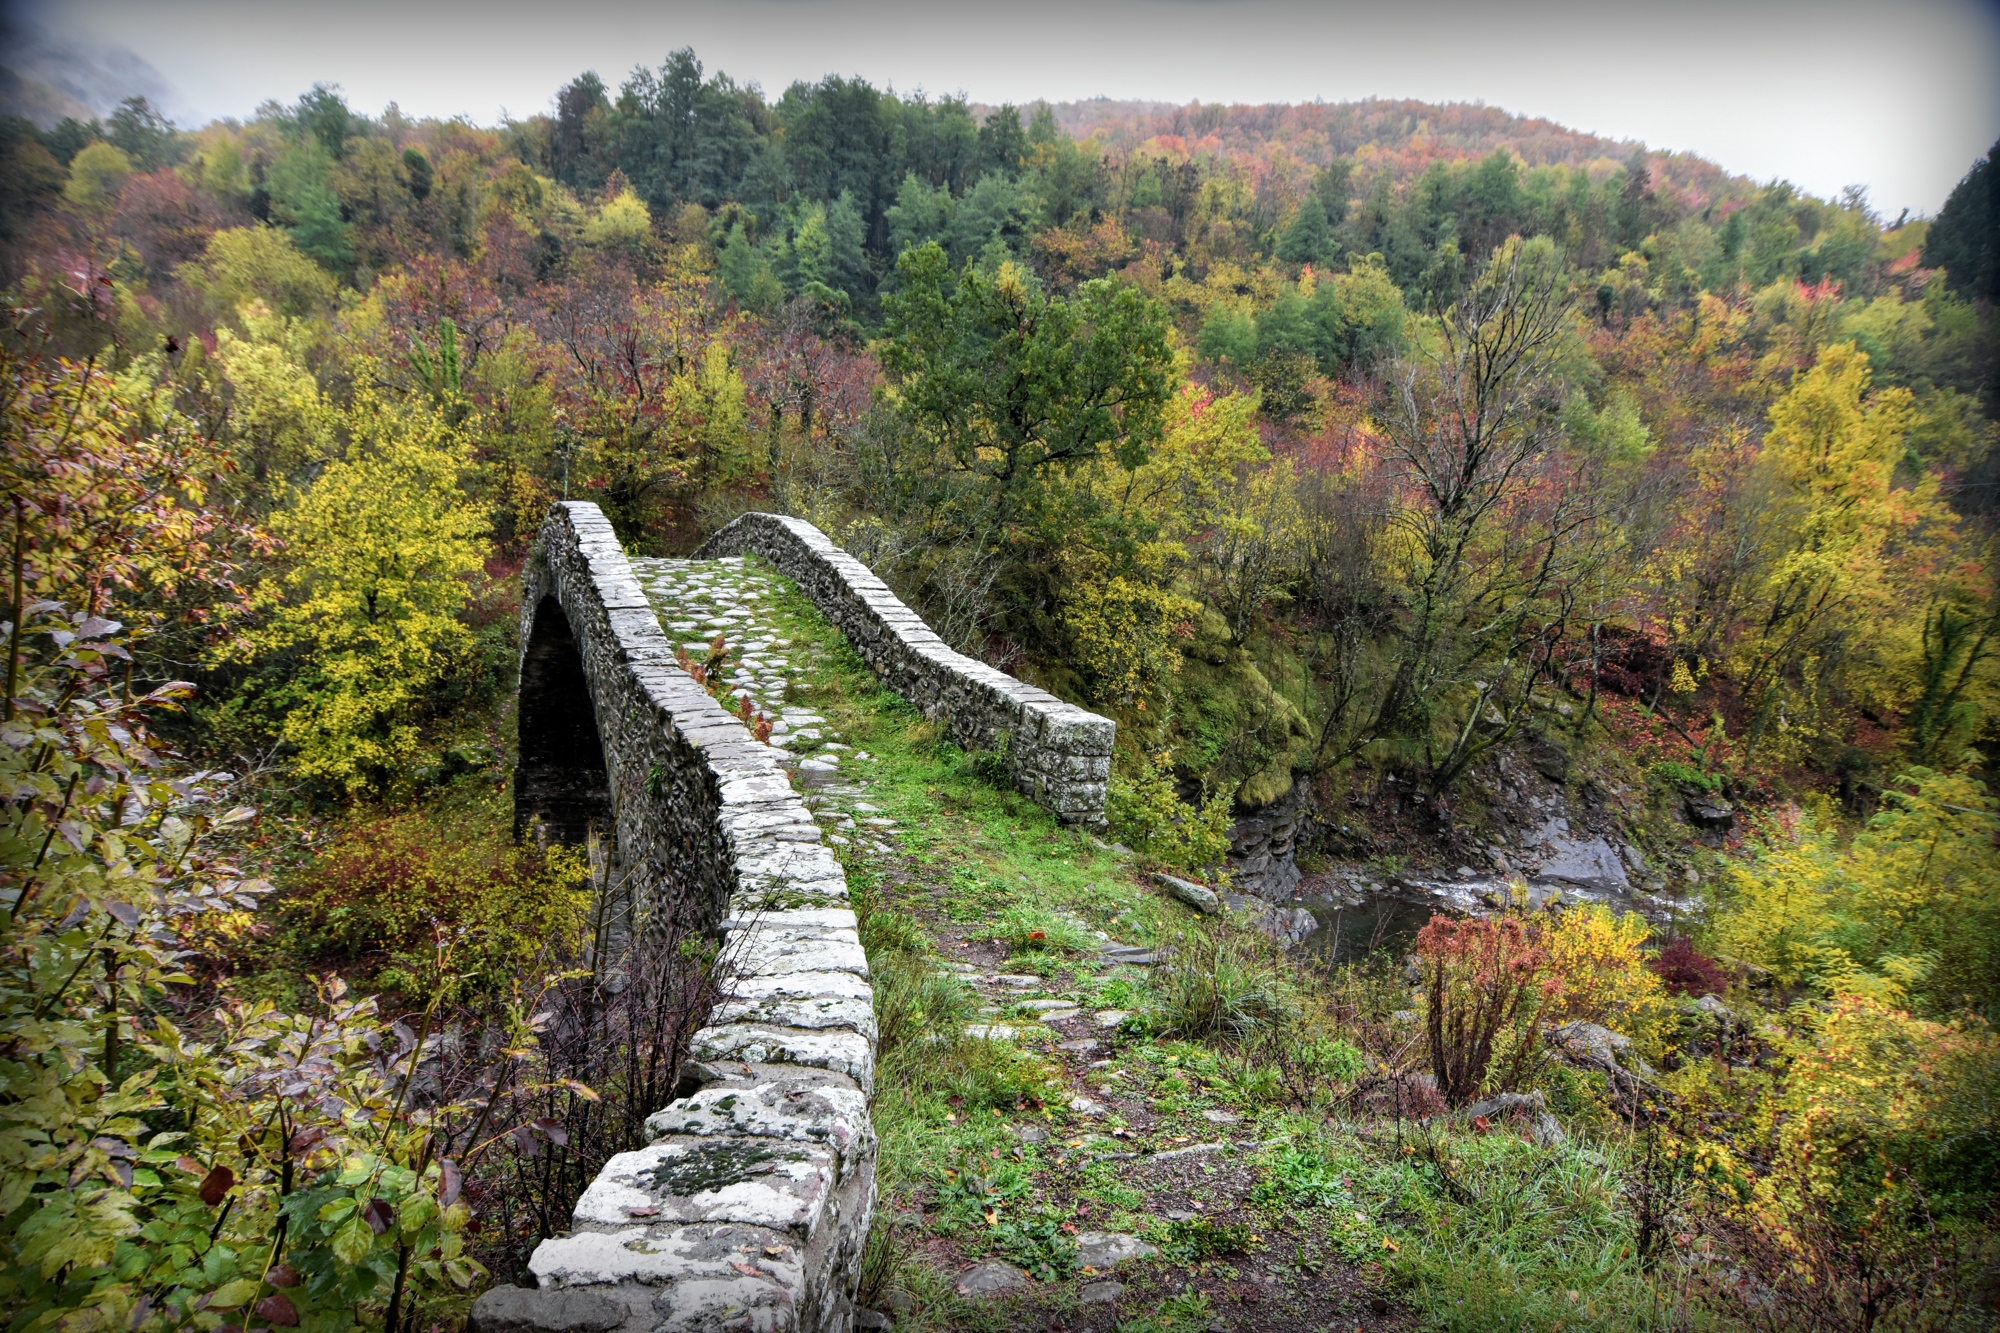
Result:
x=1896 y=95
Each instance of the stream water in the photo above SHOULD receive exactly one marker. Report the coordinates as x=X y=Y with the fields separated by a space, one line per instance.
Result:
x=1359 y=915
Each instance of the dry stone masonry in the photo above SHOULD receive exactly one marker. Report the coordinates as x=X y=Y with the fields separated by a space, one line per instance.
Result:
x=749 y=1207
x=1055 y=752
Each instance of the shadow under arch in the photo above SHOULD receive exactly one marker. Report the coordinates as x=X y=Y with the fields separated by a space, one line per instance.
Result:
x=559 y=778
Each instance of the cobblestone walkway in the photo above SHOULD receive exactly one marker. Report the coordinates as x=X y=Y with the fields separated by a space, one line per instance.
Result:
x=732 y=600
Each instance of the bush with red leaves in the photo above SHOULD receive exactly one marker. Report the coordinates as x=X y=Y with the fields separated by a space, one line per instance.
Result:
x=1686 y=971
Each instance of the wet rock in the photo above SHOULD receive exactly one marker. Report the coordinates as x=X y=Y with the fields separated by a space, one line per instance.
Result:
x=1708 y=811
x=1550 y=762
x=990 y=1280
x=1546 y=1130
x=1108 y=1249
x=1263 y=846
x=1581 y=858
x=1192 y=1150
x=1593 y=1046
x=1286 y=925
x=1199 y=897
x=1713 y=1006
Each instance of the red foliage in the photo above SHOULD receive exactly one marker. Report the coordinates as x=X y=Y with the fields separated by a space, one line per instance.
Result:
x=1686 y=971
x=165 y=221
x=1483 y=978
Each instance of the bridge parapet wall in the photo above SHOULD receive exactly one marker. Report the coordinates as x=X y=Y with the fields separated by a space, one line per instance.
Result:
x=749 y=1208
x=1057 y=753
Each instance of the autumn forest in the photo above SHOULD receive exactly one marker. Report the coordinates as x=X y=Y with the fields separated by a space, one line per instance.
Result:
x=1408 y=474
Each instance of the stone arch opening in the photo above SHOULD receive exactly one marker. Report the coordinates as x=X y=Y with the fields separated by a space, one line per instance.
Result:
x=559 y=777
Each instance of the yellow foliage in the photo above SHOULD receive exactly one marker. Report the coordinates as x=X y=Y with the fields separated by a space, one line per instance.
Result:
x=96 y=175
x=258 y=264
x=277 y=419
x=1776 y=905
x=1122 y=630
x=621 y=224
x=1596 y=953
x=1146 y=811
x=1870 y=1096
x=1850 y=553
x=380 y=549
x=1912 y=904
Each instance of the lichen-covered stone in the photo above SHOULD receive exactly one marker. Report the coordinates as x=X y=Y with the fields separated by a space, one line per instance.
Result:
x=756 y=1182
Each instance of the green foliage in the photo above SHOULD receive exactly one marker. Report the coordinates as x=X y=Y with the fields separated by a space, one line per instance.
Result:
x=1961 y=240
x=1197 y=1239
x=385 y=888
x=95 y=176
x=303 y=200
x=258 y=264
x=1914 y=896
x=1686 y=775
x=1038 y=1244
x=1298 y=1178
x=293 y=1182
x=1146 y=810
x=1015 y=386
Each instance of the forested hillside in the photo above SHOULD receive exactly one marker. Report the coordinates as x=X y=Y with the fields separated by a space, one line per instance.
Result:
x=1352 y=457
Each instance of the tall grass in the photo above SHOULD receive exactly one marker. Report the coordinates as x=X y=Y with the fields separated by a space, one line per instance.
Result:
x=1217 y=982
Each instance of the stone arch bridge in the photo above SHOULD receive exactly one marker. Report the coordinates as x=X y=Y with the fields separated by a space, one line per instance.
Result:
x=750 y=1207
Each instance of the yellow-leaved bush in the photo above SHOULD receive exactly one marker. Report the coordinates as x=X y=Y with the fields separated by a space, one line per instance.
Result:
x=1146 y=811
x=379 y=551
x=1598 y=955
x=1913 y=902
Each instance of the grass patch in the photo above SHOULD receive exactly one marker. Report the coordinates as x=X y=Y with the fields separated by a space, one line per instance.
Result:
x=1219 y=982
x=1029 y=928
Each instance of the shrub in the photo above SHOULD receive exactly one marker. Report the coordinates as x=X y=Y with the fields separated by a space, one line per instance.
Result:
x=1685 y=970
x=1920 y=881
x=387 y=887
x=278 y=1172
x=1488 y=992
x=1858 y=1190
x=1217 y=982
x=1594 y=956
x=1148 y=813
